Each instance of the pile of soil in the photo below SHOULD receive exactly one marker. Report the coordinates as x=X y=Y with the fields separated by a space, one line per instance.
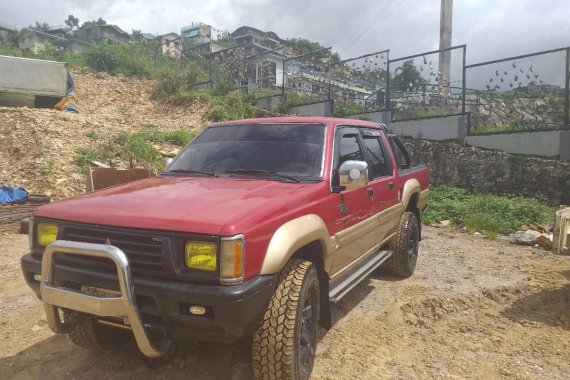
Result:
x=37 y=146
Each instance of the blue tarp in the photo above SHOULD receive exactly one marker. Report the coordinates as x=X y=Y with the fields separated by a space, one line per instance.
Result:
x=12 y=194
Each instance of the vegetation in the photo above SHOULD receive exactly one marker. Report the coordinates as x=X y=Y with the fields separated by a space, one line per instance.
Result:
x=406 y=76
x=303 y=46
x=134 y=147
x=292 y=99
x=341 y=109
x=485 y=213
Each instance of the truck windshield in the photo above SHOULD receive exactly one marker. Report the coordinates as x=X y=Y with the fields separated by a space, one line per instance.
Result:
x=285 y=152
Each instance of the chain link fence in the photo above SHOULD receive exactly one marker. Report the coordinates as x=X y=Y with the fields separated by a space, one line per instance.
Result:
x=360 y=84
x=427 y=85
x=306 y=77
x=264 y=73
x=521 y=93
x=529 y=92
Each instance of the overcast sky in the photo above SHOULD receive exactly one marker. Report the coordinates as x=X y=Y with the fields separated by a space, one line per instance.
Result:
x=491 y=28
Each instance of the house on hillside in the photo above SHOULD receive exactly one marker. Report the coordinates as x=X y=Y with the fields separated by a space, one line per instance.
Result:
x=147 y=38
x=100 y=33
x=256 y=41
x=37 y=41
x=170 y=45
x=198 y=33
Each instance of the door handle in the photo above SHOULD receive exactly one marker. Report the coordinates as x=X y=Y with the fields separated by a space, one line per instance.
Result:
x=370 y=192
x=391 y=185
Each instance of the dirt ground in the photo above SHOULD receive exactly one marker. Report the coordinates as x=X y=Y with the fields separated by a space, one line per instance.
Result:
x=475 y=308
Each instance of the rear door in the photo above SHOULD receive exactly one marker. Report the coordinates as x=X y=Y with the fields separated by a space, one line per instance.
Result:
x=383 y=186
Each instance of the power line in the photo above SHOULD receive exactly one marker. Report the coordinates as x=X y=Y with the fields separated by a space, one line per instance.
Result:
x=377 y=18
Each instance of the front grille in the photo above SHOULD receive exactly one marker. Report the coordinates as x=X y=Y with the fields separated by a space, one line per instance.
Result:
x=143 y=251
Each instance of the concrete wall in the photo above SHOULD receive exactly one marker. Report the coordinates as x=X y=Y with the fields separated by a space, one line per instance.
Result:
x=323 y=109
x=270 y=102
x=440 y=128
x=539 y=143
x=377 y=117
x=493 y=171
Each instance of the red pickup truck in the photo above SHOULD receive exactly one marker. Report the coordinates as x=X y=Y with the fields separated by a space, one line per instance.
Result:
x=253 y=230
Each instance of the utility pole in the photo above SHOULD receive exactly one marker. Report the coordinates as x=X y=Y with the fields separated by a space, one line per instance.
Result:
x=445 y=26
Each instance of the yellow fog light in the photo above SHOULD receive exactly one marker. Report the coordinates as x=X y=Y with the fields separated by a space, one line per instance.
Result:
x=201 y=255
x=232 y=259
x=47 y=233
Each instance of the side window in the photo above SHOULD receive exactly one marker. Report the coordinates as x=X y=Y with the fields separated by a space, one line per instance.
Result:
x=402 y=156
x=349 y=148
x=377 y=159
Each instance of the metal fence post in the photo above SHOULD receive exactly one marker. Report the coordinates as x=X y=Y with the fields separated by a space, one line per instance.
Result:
x=567 y=92
x=283 y=76
x=464 y=81
x=388 y=107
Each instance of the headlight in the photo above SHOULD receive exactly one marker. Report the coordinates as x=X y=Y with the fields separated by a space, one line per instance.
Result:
x=232 y=259
x=201 y=255
x=47 y=233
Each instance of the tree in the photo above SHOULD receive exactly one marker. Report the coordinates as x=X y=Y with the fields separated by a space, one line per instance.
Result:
x=72 y=22
x=407 y=76
x=41 y=26
x=303 y=46
x=137 y=36
x=89 y=24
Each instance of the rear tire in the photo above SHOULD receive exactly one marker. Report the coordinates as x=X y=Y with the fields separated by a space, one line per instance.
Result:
x=284 y=345
x=402 y=263
x=91 y=335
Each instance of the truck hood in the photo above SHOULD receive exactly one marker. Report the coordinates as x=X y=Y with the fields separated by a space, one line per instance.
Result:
x=187 y=204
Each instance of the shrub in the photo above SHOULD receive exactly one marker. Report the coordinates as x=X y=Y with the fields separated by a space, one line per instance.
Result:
x=485 y=213
x=218 y=113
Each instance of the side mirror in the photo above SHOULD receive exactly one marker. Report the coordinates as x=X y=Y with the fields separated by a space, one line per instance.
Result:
x=353 y=174
x=167 y=161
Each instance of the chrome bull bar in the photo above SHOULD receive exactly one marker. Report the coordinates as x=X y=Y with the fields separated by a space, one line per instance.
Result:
x=123 y=305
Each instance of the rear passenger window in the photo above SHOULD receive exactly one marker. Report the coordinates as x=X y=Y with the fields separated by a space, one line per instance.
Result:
x=376 y=157
x=402 y=156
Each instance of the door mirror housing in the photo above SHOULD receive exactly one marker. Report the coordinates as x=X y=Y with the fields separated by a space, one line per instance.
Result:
x=167 y=161
x=353 y=174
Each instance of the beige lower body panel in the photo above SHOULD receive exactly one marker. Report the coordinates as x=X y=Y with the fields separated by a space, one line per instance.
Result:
x=365 y=236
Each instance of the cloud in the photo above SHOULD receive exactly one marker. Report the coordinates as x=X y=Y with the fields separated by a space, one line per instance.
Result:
x=490 y=28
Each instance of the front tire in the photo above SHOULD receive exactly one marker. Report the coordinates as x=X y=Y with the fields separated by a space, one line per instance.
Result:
x=89 y=334
x=404 y=257
x=284 y=345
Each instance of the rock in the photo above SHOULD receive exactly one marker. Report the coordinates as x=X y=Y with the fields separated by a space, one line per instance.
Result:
x=445 y=223
x=477 y=234
x=36 y=328
x=545 y=241
x=528 y=237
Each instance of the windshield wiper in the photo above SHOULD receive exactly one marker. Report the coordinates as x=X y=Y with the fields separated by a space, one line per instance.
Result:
x=263 y=172
x=184 y=171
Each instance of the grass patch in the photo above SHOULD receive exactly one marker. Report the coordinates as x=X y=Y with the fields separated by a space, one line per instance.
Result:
x=485 y=213
x=138 y=148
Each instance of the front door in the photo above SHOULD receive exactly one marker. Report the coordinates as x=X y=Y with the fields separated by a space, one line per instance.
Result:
x=356 y=224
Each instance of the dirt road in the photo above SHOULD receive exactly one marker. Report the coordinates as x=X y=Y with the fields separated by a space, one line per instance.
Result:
x=475 y=308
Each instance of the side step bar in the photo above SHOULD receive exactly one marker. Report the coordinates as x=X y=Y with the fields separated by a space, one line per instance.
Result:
x=350 y=280
x=55 y=297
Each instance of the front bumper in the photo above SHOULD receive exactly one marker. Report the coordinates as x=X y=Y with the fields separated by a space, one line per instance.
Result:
x=232 y=311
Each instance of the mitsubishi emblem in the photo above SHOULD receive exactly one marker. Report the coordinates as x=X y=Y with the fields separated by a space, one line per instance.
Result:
x=107 y=241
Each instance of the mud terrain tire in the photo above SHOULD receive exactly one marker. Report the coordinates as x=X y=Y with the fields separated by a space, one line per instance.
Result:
x=91 y=335
x=402 y=263
x=284 y=344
